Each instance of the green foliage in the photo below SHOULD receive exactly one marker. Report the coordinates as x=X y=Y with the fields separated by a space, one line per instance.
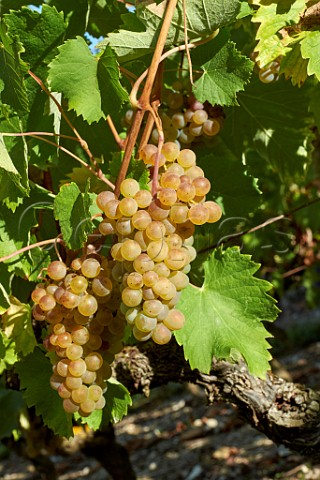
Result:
x=39 y=33
x=227 y=314
x=226 y=71
x=138 y=37
x=278 y=129
x=12 y=88
x=118 y=400
x=310 y=48
x=272 y=18
x=72 y=210
x=91 y=84
x=34 y=372
x=263 y=162
x=11 y=403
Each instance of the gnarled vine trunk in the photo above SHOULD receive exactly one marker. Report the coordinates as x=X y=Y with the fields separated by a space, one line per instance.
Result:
x=286 y=412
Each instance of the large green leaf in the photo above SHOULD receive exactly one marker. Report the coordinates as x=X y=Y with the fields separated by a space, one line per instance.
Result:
x=90 y=84
x=203 y=18
x=225 y=71
x=39 y=33
x=224 y=317
x=272 y=119
x=34 y=372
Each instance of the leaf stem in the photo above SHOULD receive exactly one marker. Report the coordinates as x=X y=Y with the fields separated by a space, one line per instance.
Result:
x=115 y=133
x=30 y=247
x=48 y=134
x=82 y=142
x=133 y=95
x=185 y=31
x=98 y=173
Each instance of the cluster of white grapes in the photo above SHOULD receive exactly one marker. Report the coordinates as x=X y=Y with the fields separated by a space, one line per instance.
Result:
x=84 y=332
x=185 y=124
x=154 y=238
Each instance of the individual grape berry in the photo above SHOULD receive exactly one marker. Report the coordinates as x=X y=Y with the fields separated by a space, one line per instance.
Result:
x=57 y=270
x=90 y=268
x=128 y=206
x=143 y=198
x=161 y=334
x=47 y=302
x=129 y=187
x=211 y=127
x=78 y=284
x=175 y=320
x=131 y=297
x=77 y=367
x=102 y=199
x=198 y=214
x=186 y=158
x=167 y=196
x=199 y=117
x=37 y=294
x=215 y=211
x=145 y=323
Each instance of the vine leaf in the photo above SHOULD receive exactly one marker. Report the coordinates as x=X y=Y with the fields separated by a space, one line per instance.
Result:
x=226 y=71
x=272 y=18
x=91 y=84
x=72 y=210
x=310 y=48
x=139 y=35
x=277 y=130
x=294 y=66
x=224 y=317
x=118 y=400
x=17 y=324
x=34 y=372
x=12 y=69
x=39 y=33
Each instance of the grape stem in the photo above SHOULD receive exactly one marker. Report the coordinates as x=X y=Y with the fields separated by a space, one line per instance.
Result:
x=30 y=247
x=133 y=95
x=82 y=142
x=185 y=31
x=144 y=103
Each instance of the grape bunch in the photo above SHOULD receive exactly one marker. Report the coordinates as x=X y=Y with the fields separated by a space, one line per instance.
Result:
x=84 y=332
x=154 y=238
x=185 y=122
